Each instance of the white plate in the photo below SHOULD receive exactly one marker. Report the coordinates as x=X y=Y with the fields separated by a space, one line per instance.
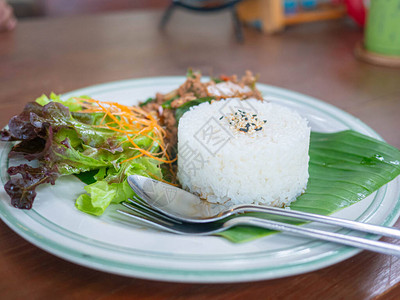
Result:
x=112 y=245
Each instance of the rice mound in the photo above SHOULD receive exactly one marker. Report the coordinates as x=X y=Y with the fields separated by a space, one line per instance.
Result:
x=221 y=164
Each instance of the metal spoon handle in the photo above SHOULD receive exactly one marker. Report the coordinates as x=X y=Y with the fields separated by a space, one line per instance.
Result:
x=348 y=240
x=354 y=225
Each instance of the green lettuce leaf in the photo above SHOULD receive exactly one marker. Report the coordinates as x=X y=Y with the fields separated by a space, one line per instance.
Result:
x=71 y=103
x=345 y=167
x=112 y=187
x=67 y=143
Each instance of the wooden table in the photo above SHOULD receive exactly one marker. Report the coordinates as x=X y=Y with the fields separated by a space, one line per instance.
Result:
x=60 y=55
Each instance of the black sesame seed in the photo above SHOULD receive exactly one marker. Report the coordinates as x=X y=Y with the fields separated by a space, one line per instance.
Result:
x=221 y=117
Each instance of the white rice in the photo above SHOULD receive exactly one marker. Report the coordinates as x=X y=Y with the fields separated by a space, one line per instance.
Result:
x=220 y=164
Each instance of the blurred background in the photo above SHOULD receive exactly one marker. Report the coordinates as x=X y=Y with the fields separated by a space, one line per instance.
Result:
x=40 y=8
x=268 y=16
x=298 y=11
x=265 y=16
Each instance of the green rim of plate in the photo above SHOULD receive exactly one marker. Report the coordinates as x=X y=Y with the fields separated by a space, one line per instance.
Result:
x=336 y=255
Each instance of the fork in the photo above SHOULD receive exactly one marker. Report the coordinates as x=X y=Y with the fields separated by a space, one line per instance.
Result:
x=187 y=207
x=140 y=211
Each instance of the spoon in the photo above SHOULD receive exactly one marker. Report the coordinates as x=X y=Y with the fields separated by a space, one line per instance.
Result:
x=187 y=207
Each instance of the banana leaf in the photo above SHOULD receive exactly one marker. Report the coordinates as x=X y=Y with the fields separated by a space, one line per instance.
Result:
x=344 y=168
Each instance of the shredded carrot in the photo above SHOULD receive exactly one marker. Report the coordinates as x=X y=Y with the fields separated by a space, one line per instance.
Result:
x=131 y=121
x=148 y=153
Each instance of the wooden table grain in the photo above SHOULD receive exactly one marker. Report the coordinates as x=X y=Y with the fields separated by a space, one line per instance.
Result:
x=63 y=54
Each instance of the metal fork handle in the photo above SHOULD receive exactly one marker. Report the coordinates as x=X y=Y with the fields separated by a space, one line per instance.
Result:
x=354 y=225
x=348 y=240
